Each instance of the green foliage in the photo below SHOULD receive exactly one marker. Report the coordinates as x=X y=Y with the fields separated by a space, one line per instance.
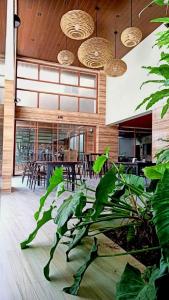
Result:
x=156 y=172
x=132 y=286
x=160 y=205
x=54 y=181
x=103 y=190
x=161 y=70
x=162 y=156
x=80 y=234
x=47 y=216
x=161 y=2
x=73 y=290
x=100 y=161
x=52 y=251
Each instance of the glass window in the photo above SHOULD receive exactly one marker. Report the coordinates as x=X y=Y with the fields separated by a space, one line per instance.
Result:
x=88 y=80
x=68 y=103
x=49 y=74
x=27 y=70
x=87 y=105
x=48 y=101
x=69 y=77
x=27 y=98
x=55 y=88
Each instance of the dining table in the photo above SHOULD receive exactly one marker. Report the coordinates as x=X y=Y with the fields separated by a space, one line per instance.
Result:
x=51 y=165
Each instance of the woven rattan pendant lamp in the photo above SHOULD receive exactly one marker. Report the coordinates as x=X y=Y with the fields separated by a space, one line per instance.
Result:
x=131 y=36
x=77 y=24
x=96 y=51
x=65 y=57
x=115 y=67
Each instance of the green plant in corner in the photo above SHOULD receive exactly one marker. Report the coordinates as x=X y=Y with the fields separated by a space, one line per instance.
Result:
x=162 y=70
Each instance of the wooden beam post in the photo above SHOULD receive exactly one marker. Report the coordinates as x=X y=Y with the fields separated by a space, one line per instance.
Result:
x=9 y=105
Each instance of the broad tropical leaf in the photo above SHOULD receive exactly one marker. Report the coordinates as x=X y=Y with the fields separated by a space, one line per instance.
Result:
x=163 y=156
x=160 y=205
x=161 y=20
x=133 y=287
x=54 y=181
x=52 y=251
x=154 y=98
x=161 y=2
x=47 y=216
x=165 y=108
x=164 y=56
x=80 y=234
x=162 y=70
x=73 y=290
x=100 y=161
x=73 y=205
x=135 y=182
x=156 y=172
x=103 y=190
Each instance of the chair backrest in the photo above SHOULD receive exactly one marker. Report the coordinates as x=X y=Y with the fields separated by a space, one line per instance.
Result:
x=73 y=155
x=66 y=155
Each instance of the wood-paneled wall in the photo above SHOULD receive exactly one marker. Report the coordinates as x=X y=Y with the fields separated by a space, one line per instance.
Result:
x=160 y=131
x=8 y=134
x=106 y=136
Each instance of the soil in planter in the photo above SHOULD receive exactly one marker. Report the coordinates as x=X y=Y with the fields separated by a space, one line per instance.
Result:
x=145 y=236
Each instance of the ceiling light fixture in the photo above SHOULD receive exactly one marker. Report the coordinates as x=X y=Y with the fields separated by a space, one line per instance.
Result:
x=77 y=24
x=95 y=52
x=65 y=57
x=115 y=67
x=131 y=36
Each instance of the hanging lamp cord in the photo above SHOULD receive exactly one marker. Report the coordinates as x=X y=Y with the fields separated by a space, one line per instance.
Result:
x=131 y=13
x=115 y=44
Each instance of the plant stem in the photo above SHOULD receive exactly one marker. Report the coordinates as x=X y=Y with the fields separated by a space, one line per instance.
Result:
x=132 y=252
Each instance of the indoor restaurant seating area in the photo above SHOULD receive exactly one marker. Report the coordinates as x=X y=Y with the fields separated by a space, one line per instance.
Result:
x=84 y=149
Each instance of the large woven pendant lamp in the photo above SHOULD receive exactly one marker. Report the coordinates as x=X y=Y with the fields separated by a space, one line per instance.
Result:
x=131 y=36
x=96 y=51
x=77 y=24
x=115 y=67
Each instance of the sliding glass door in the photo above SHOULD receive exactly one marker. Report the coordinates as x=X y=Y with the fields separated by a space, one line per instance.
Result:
x=36 y=141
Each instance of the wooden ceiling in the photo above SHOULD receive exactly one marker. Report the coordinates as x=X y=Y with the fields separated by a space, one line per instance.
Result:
x=2 y=26
x=40 y=36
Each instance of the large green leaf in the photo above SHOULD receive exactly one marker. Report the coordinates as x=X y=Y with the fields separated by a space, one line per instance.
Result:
x=73 y=290
x=100 y=161
x=103 y=190
x=54 y=181
x=52 y=251
x=47 y=216
x=160 y=205
x=162 y=70
x=73 y=205
x=164 y=57
x=161 y=2
x=163 y=39
x=133 y=287
x=156 y=172
x=134 y=182
x=163 y=156
x=154 y=98
x=161 y=20
x=80 y=234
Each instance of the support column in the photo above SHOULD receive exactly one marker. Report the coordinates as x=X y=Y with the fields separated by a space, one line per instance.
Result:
x=8 y=134
x=106 y=136
x=9 y=106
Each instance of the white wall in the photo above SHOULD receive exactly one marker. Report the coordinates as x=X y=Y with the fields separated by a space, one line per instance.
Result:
x=123 y=94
